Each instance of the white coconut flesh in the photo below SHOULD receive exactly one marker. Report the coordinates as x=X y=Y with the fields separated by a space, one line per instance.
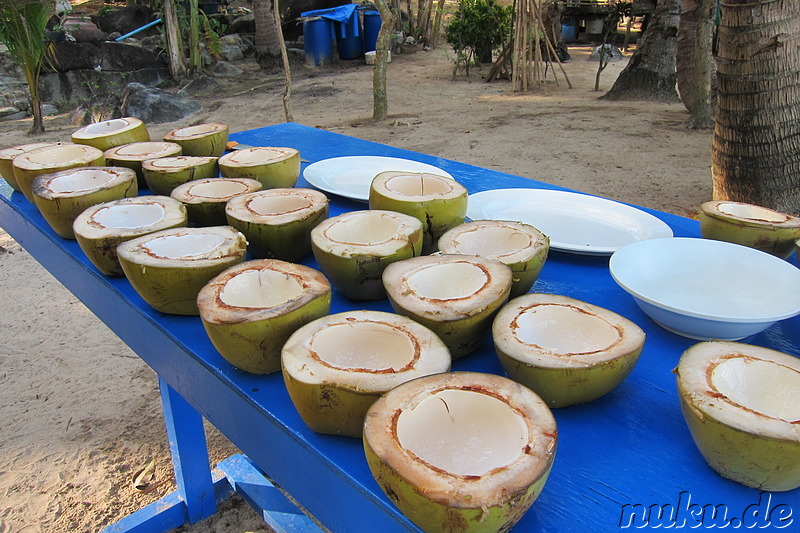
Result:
x=199 y=130
x=380 y=347
x=565 y=330
x=363 y=350
x=752 y=212
x=274 y=205
x=81 y=180
x=463 y=433
x=184 y=247
x=175 y=163
x=449 y=281
x=215 y=189
x=421 y=185
x=9 y=154
x=765 y=387
x=57 y=156
x=140 y=151
x=99 y=129
x=260 y=288
x=258 y=156
x=129 y=216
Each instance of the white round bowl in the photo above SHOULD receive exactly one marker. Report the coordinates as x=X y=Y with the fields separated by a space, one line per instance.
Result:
x=705 y=289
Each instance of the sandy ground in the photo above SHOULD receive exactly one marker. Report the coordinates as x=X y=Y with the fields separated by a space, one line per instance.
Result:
x=80 y=413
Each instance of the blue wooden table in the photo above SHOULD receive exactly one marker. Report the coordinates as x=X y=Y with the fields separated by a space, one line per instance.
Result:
x=620 y=459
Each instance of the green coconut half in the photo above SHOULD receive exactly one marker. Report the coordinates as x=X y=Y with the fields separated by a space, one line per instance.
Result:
x=274 y=167
x=208 y=139
x=50 y=159
x=205 y=199
x=456 y=296
x=336 y=366
x=168 y=268
x=132 y=155
x=162 y=175
x=7 y=156
x=353 y=249
x=251 y=309
x=461 y=451
x=520 y=246
x=741 y=405
x=110 y=133
x=102 y=227
x=565 y=350
x=750 y=225
x=439 y=202
x=62 y=196
x=278 y=222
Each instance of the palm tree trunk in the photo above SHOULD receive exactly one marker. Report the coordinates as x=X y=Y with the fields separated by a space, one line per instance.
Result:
x=36 y=102
x=267 y=44
x=650 y=73
x=177 y=69
x=756 y=146
x=380 y=100
x=694 y=65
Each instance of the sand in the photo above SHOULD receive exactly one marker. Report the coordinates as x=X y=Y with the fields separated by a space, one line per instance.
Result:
x=80 y=413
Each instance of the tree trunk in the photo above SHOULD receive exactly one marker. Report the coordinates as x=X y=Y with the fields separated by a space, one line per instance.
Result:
x=174 y=43
x=380 y=100
x=650 y=73
x=694 y=65
x=287 y=71
x=195 y=63
x=755 y=155
x=267 y=48
x=36 y=102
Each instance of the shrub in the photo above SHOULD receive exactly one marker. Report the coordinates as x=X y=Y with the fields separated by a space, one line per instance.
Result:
x=478 y=28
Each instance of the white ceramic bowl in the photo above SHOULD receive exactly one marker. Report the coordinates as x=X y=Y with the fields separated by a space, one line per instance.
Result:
x=705 y=289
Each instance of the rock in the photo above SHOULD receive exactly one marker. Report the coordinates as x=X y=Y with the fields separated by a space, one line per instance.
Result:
x=19 y=115
x=223 y=69
x=127 y=57
x=243 y=24
x=49 y=110
x=78 y=86
x=201 y=86
x=156 y=105
x=83 y=30
x=22 y=104
x=615 y=53
x=127 y=19
x=231 y=52
x=6 y=111
x=75 y=56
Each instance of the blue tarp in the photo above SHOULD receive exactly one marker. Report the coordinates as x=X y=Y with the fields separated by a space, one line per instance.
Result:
x=337 y=14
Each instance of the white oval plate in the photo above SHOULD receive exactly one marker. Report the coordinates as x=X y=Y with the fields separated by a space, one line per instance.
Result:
x=576 y=223
x=351 y=176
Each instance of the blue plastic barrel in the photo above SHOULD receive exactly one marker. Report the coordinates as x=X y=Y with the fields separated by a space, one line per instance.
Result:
x=318 y=41
x=372 y=25
x=348 y=37
x=569 y=32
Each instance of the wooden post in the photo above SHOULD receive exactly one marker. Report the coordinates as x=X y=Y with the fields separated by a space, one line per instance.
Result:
x=174 y=42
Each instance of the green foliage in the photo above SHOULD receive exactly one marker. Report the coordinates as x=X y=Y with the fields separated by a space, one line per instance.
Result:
x=478 y=27
x=211 y=31
x=23 y=25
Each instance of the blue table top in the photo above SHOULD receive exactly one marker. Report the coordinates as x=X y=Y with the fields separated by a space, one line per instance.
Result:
x=630 y=448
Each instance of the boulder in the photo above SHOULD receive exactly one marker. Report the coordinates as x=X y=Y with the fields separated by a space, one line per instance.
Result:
x=68 y=55
x=105 y=106
x=77 y=86
x=223 y=69
x=127 y=19
x=127 y=57
x=203 y=85
x=156 y=106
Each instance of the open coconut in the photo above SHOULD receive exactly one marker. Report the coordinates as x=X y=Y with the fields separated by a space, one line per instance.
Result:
x=208 y=139
x=132 y=155
x=50 y=159
x=354 y=248
x=169 y=267
x=439 y=202
x=274 y=167
x=565 y=350
x=520 y=246
x=162 y=175
x=110 y=133
x=102 y=227
x=740 y=403
x=461 y=451
x=336 y=366
x=456 y=296
x=64 y=195
x=7 y=155
x=251 y=309
x=750 y=225
x=205 y=199
x=278 y=222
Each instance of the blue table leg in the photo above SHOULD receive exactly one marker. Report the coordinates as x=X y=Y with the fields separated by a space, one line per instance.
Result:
x=187 y=442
